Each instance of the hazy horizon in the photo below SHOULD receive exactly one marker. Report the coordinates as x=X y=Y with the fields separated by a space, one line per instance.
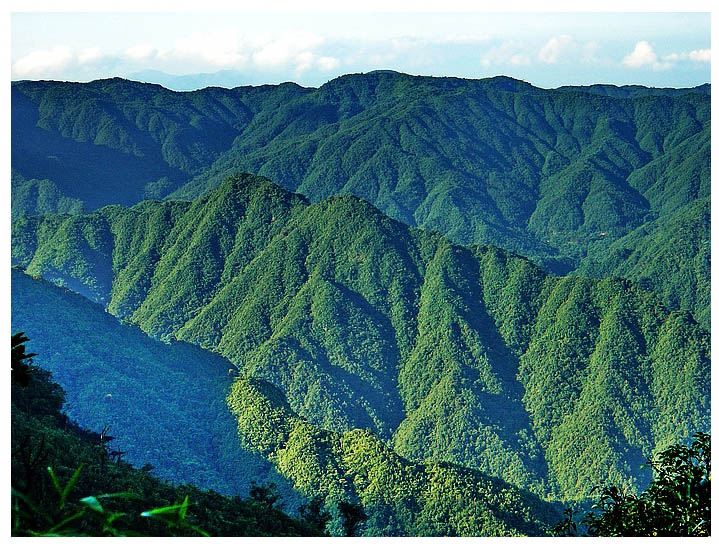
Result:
x=546 y=49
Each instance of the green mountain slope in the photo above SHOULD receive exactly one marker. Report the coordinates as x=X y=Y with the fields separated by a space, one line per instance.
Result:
x=468 y=355
x=163 y=403
x=401 y=498
x=555 y=175
x=43 y=438
x=670 y=256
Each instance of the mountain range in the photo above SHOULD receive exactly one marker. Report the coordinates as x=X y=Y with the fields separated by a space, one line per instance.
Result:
x=470 y=355
x=457 y=304
x=557 y=175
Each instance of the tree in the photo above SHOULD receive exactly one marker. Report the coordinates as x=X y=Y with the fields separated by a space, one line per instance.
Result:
x=352 y=514
x=676 y=503
x=312 y=513
x=32 y=390
x=266 y=496
x=20 y=361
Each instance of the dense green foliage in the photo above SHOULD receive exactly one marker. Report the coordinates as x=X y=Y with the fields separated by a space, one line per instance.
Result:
x=39 y=197
x=676 y=503
x=393 y=495
x=556 y=175
x=163 y=404
x=66 y=482
x=471 y=356
x=669 y=256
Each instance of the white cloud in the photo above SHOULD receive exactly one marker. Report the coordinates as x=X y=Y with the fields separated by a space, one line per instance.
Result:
x=229 y=48
x=140 y=52
x=44 y=62
x=89 y=55
x=304 y=61
x=53 y=63
x=328 y=63
x=701 y=55
x=642 y=55
x=507 y=53
x=697 y=55
x=273 y=55
x=291 y=49
x=551 y=51
x=221 y=49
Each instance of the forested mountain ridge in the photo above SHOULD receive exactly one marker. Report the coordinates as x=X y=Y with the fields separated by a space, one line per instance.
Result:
x=165 y=406
x=555 y=175
x=469 y=355
x=163 y=403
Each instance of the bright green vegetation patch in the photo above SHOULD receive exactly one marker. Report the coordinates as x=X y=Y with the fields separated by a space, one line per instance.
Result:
x=399 y=497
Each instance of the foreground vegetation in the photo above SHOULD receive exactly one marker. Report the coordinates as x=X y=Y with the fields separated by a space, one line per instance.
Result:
x=676 y=503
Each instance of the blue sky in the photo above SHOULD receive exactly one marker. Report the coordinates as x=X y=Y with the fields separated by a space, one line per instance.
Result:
x=310 y=48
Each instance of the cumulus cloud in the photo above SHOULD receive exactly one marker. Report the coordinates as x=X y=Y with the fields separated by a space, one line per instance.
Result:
x=297 y=51
x=292 y=48
x=701 y=55
x=44 y=61
x=52 y=62
x=228 y=48
x=645 y=56
x=507 y=53
x=642 y=55
x=697 y=56
x=554 y=47
x=220 y=49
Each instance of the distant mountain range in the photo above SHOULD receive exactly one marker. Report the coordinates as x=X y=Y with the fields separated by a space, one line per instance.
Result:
x=193 y=82
x=559 y=175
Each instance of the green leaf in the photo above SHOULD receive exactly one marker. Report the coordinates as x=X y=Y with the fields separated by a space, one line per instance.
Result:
x=162 y=511
x=31 y=505
x=121 y=495
x=183 y=508
x=55 y=481
x=93 y=503
x=69 y=486
x=66 y=521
